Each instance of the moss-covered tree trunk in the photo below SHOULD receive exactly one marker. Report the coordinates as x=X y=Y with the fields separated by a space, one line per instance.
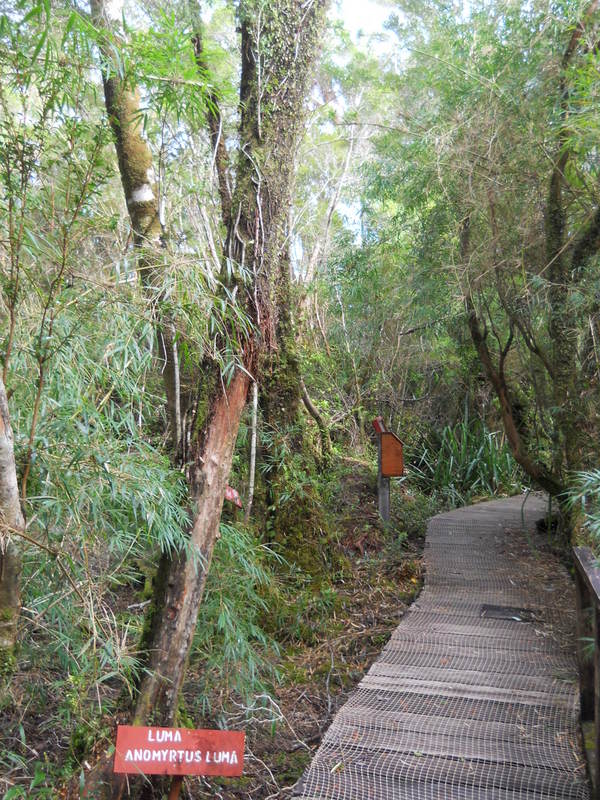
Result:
x=278 y=46
x=495 y=373
x=566 y=263
x=138 y=179
x=566 y=256
x=11 y=523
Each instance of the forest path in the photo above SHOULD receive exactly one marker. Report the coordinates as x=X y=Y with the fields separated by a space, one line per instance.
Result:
x=475 y=695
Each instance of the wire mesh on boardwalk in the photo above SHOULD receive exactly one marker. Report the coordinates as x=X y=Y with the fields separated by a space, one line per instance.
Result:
x=475 y=696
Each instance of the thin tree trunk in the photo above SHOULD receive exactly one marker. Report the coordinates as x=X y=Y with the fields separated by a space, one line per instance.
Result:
x=11 y=520
x=321 y=326
x=252 y=468
x=564 y=271
x=176 y=621
x=141 y=195
x=320 y=249
x=534 y=469
x=497 y=378
x=357 y=390
x=318 y=418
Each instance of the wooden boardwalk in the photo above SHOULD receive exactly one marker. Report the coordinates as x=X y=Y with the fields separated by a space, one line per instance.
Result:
x=475 y=696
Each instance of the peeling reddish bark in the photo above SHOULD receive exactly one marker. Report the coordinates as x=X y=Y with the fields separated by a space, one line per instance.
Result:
x=186 y=579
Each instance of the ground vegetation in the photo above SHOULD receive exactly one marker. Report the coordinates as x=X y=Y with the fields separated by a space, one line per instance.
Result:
x=232 y=235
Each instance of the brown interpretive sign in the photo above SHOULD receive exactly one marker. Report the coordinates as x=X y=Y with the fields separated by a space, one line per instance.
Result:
x=178 y=751
x=392 y=455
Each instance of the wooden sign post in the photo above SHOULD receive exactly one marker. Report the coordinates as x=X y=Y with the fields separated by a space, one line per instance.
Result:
x=178 y=751
x=390 y=464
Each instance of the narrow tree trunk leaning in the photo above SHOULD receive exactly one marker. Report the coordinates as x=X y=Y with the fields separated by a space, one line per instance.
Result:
x=318 y=418
x=252 y=467
x=186 y=577
x=320 y=249
x=285 y=35
x=11 y=523
x=496 y=375
x=566 y=262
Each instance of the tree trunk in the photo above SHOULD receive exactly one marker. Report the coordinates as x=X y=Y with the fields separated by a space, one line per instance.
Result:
x=11 y=523
x=285 y=34
x=138 y=179
x=536 y=471
x=321 y=425
x=186 y=578
x=252 y=467
x=496 y=376
x=564 y=268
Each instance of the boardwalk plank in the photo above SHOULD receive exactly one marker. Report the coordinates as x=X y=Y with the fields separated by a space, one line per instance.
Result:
x=551 y=738
x=454 y=772
x=462 y=706
x=378 y=738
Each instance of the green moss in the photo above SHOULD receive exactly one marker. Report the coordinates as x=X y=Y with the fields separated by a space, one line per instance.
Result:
x=158 y=586
x=205 y=397
x=82 y=742
x=294 y=674
x=8 y=663
x=183 y=718
x=245 y=781
x=281 y=384
x=290 y=766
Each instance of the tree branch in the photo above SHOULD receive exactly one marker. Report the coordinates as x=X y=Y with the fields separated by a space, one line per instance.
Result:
x=496 y=377
x=318 y=418
x=215 y=123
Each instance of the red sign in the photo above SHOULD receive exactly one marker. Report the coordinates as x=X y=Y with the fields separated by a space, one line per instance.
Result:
x=233 y=496
x=178 y=751
x=378 y=425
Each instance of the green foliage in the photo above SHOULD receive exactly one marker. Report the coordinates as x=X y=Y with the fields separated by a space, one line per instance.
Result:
x=292 y=468
x=37 y=789
x=464 y=124
x=234 y=650
x=297 y=521
x=110 y=483
x=411 y=509
x=466 y=462
x=584 y=501
x=162 y=59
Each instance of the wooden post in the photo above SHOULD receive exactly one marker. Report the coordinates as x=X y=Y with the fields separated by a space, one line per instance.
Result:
x=390 y=463
x=176 y=786
x=383 y=486
x=586 y=664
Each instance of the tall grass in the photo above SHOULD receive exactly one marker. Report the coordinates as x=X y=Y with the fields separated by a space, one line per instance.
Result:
x=467 y=461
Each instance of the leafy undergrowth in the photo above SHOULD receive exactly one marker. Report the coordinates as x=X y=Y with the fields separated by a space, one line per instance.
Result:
x=352 y=620
x=319 y=637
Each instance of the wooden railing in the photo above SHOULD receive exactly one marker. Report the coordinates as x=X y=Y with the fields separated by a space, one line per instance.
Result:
x=587 y=581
